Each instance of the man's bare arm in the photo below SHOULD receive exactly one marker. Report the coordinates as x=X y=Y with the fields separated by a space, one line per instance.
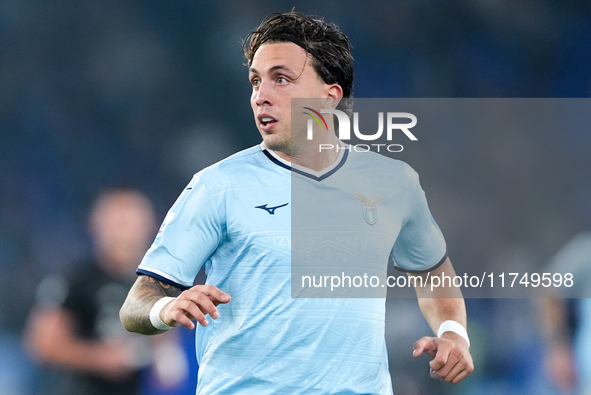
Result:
x=441 y=303
x=452 y=360
x=192 y=304
x=51 y=336
x=135 y=312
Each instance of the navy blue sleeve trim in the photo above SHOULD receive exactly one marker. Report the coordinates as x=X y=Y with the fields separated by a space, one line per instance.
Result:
x=424 y=270
x=161 y=278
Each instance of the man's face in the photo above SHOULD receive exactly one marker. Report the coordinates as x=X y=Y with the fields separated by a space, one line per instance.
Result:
x=278 y=73
x=123 y=226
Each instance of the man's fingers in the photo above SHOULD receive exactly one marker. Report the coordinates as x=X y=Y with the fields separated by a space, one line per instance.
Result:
x=458 y=368
x=207 y=297
x=462 y=375
x=425 y=344
x=223 y=297
x=197 y=309
x=451 y=361
x=177 y=316
x=442 y=357
x=183 y=313
x=451 y=365
x=449 y=369
x=194 y=304
x=459 y=372
x=216 y=295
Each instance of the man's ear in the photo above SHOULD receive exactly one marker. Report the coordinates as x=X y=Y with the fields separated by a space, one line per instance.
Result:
x=334 y=96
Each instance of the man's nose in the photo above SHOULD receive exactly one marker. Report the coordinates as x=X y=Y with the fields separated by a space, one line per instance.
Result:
x=264 y=94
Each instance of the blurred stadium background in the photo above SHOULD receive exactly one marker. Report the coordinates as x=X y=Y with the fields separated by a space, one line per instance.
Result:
x=146 y=93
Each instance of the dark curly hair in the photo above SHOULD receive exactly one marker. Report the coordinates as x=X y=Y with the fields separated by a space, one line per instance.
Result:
x=329 y=46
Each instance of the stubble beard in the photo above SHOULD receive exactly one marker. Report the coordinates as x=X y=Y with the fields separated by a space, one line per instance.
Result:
x=278 y=143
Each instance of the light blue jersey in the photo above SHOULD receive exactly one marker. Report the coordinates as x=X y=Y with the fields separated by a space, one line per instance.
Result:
x=235 y=218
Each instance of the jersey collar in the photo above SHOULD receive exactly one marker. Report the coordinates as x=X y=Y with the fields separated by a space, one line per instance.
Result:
x=304 y=171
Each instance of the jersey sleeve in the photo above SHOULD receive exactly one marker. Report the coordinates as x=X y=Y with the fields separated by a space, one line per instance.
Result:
x=420 y=245
x=189 y=234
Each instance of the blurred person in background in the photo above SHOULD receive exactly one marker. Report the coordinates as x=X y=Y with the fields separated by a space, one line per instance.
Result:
x=567 y=320
x=75 y=327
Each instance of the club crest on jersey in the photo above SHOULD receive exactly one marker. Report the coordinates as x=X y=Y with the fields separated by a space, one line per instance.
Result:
x=370 y=214
x=370 y=210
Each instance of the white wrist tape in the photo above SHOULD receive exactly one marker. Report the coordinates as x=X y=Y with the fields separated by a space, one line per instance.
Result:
x=155 y=314
x=455 y=327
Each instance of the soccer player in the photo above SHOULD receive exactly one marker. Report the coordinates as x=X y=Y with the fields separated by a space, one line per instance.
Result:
x=235 y=218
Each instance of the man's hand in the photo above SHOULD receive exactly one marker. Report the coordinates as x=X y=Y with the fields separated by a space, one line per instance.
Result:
x=194 y=304
x=451 y=362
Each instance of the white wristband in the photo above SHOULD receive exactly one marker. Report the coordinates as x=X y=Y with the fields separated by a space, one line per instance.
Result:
x=455 y=327
x=155 y=314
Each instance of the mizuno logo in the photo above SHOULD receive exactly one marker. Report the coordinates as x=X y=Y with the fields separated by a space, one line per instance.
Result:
x=271 y=210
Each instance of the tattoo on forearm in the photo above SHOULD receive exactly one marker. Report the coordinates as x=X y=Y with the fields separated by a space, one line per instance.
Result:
x=142 y=296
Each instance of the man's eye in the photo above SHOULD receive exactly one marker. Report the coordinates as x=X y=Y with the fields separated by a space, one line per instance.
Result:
x=282 y=80
x=254 y=82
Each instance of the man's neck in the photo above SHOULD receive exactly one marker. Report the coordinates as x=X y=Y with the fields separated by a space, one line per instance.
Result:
x=310 y=156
